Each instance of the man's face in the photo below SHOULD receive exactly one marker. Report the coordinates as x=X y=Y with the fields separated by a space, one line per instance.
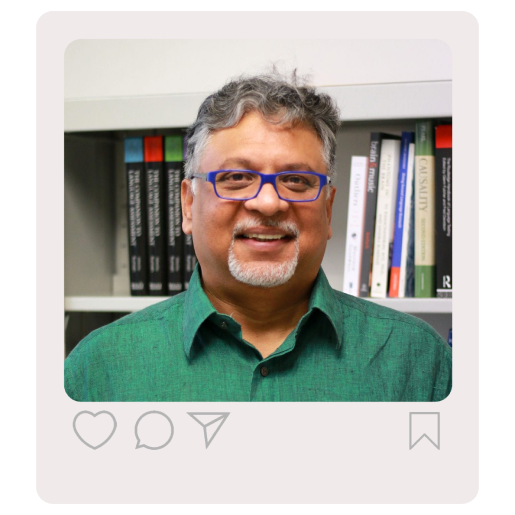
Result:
x=264 y=241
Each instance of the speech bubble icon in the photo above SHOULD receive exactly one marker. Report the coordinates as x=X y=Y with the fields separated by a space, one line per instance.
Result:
x=152 y=429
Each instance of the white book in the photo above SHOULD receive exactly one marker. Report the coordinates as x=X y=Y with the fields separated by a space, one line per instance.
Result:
x=407 y=218
x=355 y=221
x=385 y=215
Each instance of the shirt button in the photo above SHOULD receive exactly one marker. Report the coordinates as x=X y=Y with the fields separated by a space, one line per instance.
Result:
x=223 y=325
x=264 y=371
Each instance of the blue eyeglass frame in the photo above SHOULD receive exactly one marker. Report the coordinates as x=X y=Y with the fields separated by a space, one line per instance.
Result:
x=266 y=178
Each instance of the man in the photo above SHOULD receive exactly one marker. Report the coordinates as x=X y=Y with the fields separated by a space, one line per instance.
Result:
x=259 y=321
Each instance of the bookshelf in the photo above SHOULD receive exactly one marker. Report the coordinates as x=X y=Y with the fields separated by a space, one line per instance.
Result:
x=96 y=255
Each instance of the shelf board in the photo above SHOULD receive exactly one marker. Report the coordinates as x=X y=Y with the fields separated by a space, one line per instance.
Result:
x=411 y=305
x=109 y=304
x=405 y=100
x=128 y=304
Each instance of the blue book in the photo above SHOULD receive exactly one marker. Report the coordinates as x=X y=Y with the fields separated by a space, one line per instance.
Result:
x=136 y=206
x=402 y=212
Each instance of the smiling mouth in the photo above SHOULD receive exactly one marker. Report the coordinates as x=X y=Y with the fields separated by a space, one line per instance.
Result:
x=265 y=234
x=265 y=237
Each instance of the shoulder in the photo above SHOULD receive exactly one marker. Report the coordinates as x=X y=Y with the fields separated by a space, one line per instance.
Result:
x=373 y=317
x=397 y=349
x=137 y=322
x=122 y=342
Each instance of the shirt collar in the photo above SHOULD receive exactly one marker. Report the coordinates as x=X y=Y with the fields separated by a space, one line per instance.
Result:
x=197 y=308
x=323 y=298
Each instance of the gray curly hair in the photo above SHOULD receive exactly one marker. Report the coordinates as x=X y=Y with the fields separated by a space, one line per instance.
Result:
x=279 y=99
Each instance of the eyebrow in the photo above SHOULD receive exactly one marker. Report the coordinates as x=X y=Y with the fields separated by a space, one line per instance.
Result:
x=238 y=162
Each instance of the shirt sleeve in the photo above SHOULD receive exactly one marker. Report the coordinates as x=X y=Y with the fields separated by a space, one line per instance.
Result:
x=73 y=376
x=443 y=381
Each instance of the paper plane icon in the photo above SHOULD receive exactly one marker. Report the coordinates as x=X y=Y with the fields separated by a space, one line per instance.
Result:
x=210 y=422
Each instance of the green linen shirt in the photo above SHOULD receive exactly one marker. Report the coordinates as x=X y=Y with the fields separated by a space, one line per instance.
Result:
x=343 y=349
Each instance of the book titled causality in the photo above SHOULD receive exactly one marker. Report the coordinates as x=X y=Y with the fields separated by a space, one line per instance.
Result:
x=403 y=207
x=424 y=210
x=175 y=241
x=367 y=245
x=136 y=207
x=443 y=193
x=154 y=175
x=385 y=216
x=355 y=219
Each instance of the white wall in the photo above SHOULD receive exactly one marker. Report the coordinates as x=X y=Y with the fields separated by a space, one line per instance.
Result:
x=97 y=69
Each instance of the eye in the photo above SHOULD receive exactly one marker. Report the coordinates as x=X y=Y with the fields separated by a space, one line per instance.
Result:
x=234 y=177
x=297 y=181
x=233 y=180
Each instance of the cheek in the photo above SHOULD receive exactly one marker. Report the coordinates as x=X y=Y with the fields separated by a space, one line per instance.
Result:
x=315 y=231
x=212 y=227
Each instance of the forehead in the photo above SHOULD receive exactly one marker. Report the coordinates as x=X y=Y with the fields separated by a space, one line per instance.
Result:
x=264 y=144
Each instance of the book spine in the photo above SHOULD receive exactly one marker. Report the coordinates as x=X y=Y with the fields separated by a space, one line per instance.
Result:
x=155 y=219
x=400 y=209
x=407 y=252
x=175 y=234
x=355 y=216
x=409 y=271
x=424 y=210
x=385 y=215
x=443 y=187
x=175 y=242
x=190 y=260
x=370 y=213
x=136 y=197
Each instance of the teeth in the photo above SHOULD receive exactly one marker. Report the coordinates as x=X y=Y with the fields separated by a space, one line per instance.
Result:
x=264 y=236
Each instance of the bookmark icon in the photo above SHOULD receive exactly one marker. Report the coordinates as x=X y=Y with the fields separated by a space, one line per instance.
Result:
x=424 y=424
x=210 y=422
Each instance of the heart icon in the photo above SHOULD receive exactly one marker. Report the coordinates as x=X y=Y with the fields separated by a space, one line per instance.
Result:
x=89 y=428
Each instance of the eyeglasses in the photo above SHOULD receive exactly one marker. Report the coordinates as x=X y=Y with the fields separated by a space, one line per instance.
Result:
x=246 y=184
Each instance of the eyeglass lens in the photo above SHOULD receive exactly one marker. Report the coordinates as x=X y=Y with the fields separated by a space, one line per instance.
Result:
x=241 y=185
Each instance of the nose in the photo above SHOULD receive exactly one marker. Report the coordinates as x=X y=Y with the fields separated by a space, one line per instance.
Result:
x=267 y=202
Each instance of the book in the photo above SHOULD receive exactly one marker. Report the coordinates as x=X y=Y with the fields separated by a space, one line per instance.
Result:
x=443 y=194
x=424 y=210
x=409 y=278
x=385 y=216
x=136 y=205
x=355 y=219
x=190 y=259
x=173 y=163
x=402 y=216
x=370 y=211
x=154 y=175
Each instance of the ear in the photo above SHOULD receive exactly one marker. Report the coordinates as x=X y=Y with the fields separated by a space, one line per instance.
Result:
x=329 y=211
x=187 y=198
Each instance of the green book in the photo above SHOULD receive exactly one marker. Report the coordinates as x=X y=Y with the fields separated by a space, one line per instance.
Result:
x=175 y=239
x=425 y=269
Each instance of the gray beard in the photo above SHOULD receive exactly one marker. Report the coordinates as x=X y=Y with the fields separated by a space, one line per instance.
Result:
x=264 y=275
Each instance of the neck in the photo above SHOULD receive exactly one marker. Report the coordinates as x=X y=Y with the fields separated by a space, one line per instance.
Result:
x=266 y=315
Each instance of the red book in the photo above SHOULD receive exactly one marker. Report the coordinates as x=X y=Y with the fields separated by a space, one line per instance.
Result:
x=154 y=175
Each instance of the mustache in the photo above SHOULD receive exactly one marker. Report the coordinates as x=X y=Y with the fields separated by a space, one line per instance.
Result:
x=288 y=227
